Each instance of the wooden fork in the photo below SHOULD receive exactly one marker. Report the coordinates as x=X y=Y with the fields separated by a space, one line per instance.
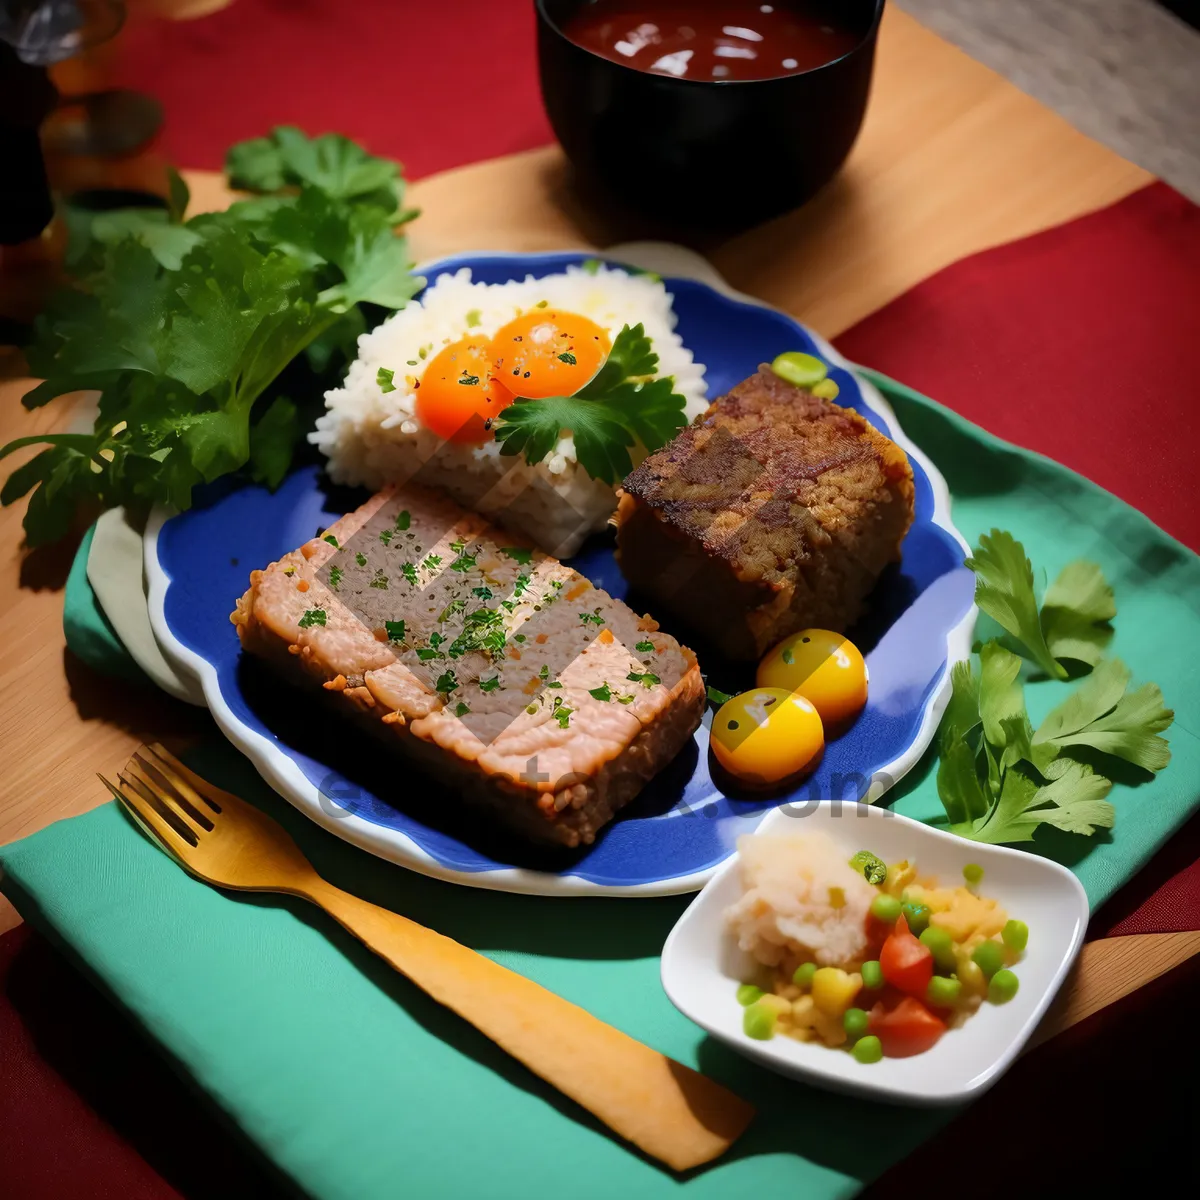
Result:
x=666 y=1109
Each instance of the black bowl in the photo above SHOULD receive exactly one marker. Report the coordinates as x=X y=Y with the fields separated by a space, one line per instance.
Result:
x=717 y=155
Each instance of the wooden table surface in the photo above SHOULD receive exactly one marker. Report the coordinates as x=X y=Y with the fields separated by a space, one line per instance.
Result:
x=952 y=159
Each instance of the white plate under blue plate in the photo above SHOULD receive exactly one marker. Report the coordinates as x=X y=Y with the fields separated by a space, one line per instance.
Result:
x=702 y=965
x=682 y=827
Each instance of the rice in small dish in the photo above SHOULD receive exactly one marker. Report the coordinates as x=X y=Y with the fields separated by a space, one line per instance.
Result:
x=417 y=403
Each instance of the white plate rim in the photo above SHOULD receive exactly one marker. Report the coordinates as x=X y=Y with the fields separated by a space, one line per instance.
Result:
x=286 y=778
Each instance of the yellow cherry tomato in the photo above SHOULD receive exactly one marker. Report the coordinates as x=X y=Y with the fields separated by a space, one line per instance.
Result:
x=766 y=736
x=547 y=352
x=458 y=396
x=825 y=668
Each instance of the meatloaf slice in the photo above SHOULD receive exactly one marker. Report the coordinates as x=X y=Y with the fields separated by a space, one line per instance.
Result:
x=775 y=511
x=536 y=696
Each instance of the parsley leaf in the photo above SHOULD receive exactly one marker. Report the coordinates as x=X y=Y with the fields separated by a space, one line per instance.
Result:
x=384 y=378
x=646 y=647
x=489 y=685
x=312 y=616
x=380 y=580
x=562 y=714
x=394 y=630
x=646 y=678
x=620 y=407
x=518 y=554
x=185 y=328
x=484 y=592
x=1004 y=590
x=403 y=520
x=463 y=563
x=1104 y=716
x=386 y=535
x=331 y=540
x=335 y=577
x=461 y=709
x=409 y=572
x=1075 y=613
x=603 y=692
x=446 y=683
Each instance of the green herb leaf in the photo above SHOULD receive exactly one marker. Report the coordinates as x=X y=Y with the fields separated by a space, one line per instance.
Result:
x=645 y=678
x=360 y=558
x=410 y=573
x=312 y=616
x=1101 y=714
x=620 y=407
x=603 y=692
x=562 y=715
x=386 y=535
x=1075 y=613
x=873 y=868
x=461 y=709
x=446 y=683
x=380 y=580
x=1004 y=590
x=331 y=540
x=431 y=562
x=394 y=630
x=567 y=357
x=644 y=647
x=455 y=606
x=403 y=520
x=489 y=685
x=335 y=577
x=384 y=378
x=787 y=655
x=718 y=697
x=518 y=554
x=463 y=563
x=484 y=592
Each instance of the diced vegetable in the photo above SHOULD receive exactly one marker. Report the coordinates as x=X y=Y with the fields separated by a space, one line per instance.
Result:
x=917 y=916
x=989 y=956
x=759 y=1022
x=855 y=1022
x=943 y=992
x=871 y=865
x=910 y=1028
x=747 y=993
x=802 y=976
x=834 y=990
x=973 y=873
x=885 y=908
x=1016 y=936
x=906 y=963
x=1003 y=986
x=868 y=1049
x=872 y=975
x=941 y=945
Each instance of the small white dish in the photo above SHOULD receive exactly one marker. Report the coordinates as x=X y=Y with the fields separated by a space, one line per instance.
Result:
x=702 y=965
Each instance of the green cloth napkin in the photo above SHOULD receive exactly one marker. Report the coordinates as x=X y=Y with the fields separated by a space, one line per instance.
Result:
x=358 y=1087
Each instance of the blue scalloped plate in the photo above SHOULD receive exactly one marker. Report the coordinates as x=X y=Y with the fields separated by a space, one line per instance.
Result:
x=683 y=826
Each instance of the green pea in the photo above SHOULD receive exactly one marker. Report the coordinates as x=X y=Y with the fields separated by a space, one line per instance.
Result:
x=990 y=957
x=855 y=1022
x=942 y=992
x=973 y=873
x=802 y=976
x=917 y=916
x=885 y=908
x=1016 y=936
x=803 y=370
x=868 y=1049
x=759 y=1022
x=747 y=993
x=1003 y=987
x=872 y=975
x=941 y=945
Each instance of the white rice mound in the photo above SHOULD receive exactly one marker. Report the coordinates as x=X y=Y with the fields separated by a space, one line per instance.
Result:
x=371 y=438
x=785 y=914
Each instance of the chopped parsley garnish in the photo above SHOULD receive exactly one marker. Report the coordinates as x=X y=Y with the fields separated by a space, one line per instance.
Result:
x=455 y=606
x=384 y=378
x=436 y=639
x=518 y=554
x=544 y=673
x=507 y=605
x=432 y=562
x=873 y=868
x=461 y=709
x=360 y=558
x=459 y=546
x=646 y=647
x=521 y=586
x=645 y=678
x=403 y=520
x=626 y=699
x=331 y=540
x=335 y=577
x=484 y=593
x=473 y=318
x=469 y=380
x=425 y=654
x=603 y=692
x=410 y=573
x=787 y=655
x=620 y=407
x=717 y=696
x=380 y=580
x=446 y=683
x=394 y=630
x=483 y=630
x=562 y=715
x=567 y=357
x=312 y=616
x=489 y=685
x=463 y=563
x=386 y=535
x=591 y=618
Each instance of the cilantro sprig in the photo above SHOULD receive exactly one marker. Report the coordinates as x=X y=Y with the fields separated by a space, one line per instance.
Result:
x=621 y=406
x=186 y=326
x=998 y=778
